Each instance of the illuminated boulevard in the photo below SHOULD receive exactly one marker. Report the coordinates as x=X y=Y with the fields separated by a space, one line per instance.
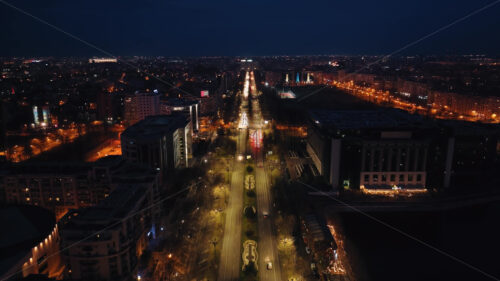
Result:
x=231 y=245
x=267 y=238
x=230 y=261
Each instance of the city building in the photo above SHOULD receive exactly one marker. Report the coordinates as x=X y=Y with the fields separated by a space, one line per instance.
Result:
x=30 y=243
x=318 y=239
x=121 y=227
x=60 y=187
x=141 y=105
x=103 y=60
x=105 y=108
x=189 y=107
x=429 y=95
x=391 y=149
x=41 y=118
x=208 y=105
x=273 y=78
x=475 y=155
x=379 y=149
x=163 y=142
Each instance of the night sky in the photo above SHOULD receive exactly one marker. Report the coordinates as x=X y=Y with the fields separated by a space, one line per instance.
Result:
x=259 y=27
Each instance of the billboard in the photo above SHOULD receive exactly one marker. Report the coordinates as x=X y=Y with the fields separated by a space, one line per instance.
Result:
x=204 y=94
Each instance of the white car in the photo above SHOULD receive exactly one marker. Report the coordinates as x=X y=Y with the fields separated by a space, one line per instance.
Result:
x=265 y=214
x=269 y=265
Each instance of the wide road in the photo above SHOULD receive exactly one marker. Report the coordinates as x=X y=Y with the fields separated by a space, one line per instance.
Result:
x=230 y=259
x=230 y=263
x=267 y=246
x=231 y=244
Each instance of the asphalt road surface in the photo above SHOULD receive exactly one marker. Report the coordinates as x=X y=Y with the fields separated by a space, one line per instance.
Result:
x=230 y=263
x=230 y=259
x=267 y=245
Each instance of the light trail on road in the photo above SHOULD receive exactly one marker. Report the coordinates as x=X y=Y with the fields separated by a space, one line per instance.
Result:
x=230 y=259
x=267 y=246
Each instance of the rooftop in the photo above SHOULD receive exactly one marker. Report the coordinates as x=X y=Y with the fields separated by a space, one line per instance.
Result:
x=318 y=230
x=25 y=227
x=154 y=93
x=366 y=119
x=116 y=207
x=179 y=102
x=154 y=126
x=461 y=128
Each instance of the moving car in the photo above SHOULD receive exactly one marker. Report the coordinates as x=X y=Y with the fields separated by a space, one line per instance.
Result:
x=269 y=265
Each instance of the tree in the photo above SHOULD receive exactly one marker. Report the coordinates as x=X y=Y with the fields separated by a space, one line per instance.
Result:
x=249 y=169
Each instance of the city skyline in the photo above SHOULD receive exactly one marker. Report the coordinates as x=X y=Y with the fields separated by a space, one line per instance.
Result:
x=249 y=141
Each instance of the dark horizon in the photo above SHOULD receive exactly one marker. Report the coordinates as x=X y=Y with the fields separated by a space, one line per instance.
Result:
x=125 y=57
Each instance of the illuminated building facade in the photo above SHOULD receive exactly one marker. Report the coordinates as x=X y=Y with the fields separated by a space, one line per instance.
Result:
x=41 y=118
x=112 y=253
x=369 y=149
x=417 y=96
x=163 y=142
x=31 y=244
x=103 y=60
x=302 y=77
x=141 y=105
x=59 y=187
x=391 y=149
x=189 y=107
